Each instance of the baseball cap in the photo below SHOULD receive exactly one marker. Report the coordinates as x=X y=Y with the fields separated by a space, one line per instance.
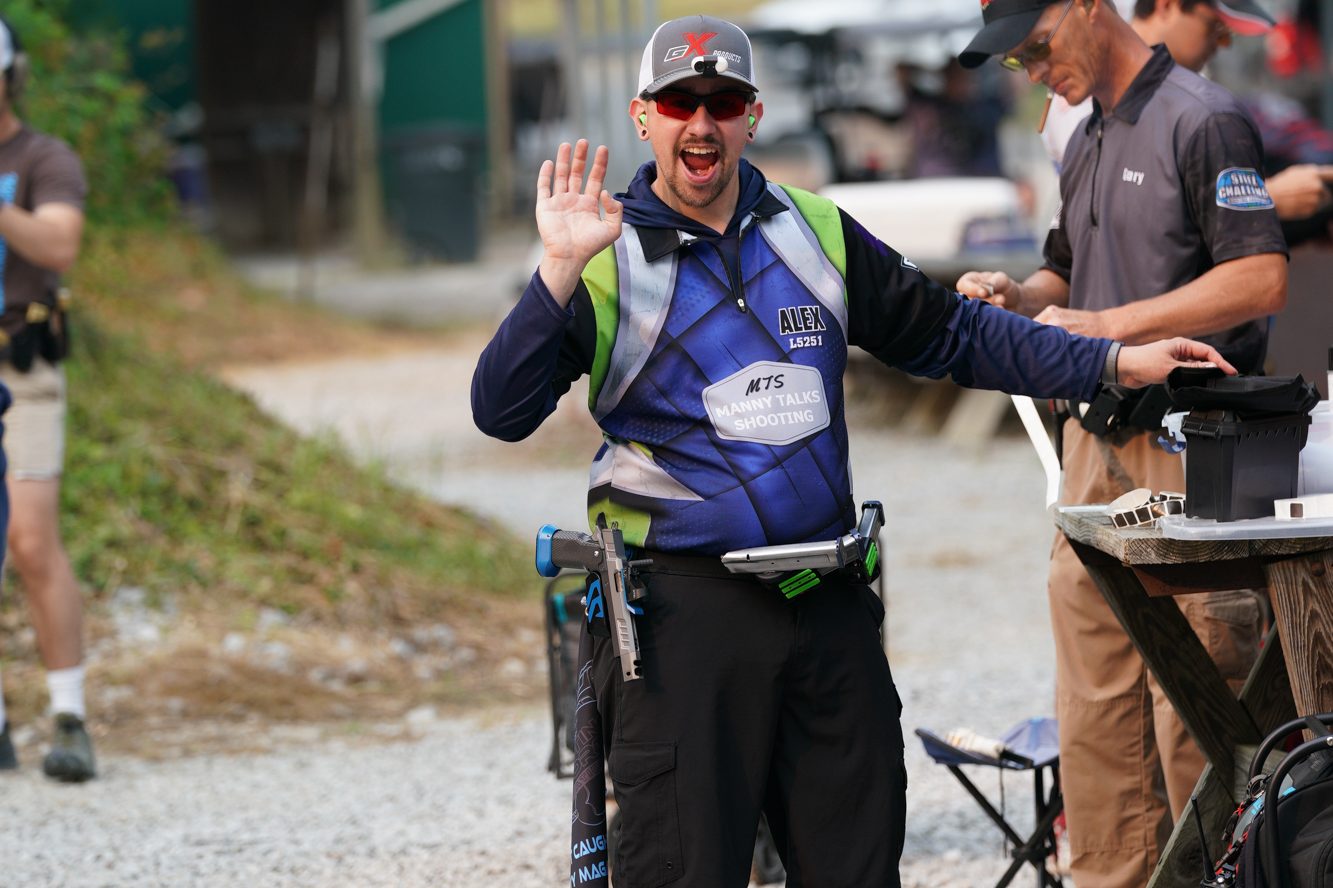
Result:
x=1245 y=17
x=1006 y=23
x=692 y=46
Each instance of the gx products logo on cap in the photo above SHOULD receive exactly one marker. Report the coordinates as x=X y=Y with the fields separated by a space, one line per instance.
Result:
x=694 y=43
x=695 y=46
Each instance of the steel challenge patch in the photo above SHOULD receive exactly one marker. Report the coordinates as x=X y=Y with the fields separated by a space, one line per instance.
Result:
x=1240 y=188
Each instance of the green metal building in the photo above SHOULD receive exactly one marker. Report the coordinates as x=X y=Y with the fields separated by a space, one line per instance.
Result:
x=286 y=99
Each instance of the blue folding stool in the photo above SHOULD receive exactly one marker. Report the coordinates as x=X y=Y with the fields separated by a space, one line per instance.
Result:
x=1031 y=745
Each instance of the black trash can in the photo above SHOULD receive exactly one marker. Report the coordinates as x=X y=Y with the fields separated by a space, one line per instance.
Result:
x=433 y=190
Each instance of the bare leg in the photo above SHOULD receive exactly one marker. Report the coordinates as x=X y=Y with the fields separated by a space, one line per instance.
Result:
x=35 y=549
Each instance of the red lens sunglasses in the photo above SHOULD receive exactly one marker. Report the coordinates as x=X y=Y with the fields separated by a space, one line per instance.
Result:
x=720 y=105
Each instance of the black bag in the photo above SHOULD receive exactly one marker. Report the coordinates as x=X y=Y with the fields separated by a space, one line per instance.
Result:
x=1249 y=397
x=1281 y=836
x=31 y=330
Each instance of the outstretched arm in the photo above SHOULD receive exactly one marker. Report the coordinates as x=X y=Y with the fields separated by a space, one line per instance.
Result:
x=935 y=332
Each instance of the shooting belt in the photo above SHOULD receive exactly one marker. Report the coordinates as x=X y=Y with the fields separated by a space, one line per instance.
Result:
x=683 y=565
x=35 y=329
x=789 y=583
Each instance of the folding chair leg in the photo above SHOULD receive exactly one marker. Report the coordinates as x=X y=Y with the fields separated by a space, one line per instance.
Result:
x=1040 y=846
x=1034 y=850
x=986 y=806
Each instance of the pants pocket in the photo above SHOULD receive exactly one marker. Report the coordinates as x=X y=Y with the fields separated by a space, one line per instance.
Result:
x=1228 y=624
x=873 y=604
x=648 y=849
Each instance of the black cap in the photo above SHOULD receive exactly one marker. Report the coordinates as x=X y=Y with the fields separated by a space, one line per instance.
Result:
x=1007 y=22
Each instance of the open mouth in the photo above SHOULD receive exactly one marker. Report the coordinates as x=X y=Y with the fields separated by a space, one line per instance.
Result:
x=700 y=162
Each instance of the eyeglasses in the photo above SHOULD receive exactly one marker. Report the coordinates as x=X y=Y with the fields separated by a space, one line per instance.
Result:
x=1039 y=51
x=1219 y=33
x=721 y=105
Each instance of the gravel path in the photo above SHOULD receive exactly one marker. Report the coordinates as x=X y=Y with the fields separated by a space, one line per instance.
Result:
x=466 y=802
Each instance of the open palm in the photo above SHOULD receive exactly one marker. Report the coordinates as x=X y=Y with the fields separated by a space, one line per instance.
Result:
x=568 y=217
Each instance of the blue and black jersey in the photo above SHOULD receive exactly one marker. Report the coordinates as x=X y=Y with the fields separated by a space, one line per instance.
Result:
x=716 y=364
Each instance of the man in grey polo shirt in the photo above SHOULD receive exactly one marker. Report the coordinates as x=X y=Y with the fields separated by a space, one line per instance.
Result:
x=1165 y=229
x=1193 y=31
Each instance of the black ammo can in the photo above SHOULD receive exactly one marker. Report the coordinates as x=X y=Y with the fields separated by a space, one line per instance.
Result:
x=1235 y=468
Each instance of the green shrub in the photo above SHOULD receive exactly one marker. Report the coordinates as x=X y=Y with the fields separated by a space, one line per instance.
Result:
x=80 y=91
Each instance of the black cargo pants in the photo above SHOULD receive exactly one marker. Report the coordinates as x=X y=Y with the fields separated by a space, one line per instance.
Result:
x=752 y=702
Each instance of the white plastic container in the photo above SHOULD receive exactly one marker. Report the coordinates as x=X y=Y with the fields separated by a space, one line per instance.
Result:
x=1316 y=468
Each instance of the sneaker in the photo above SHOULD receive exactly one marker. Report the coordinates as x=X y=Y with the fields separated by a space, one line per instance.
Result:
x=71 y=757
x=8 y=760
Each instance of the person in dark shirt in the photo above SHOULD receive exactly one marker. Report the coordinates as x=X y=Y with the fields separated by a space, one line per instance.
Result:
x=1298 y=153
x=1164 y=228
x=42 y=191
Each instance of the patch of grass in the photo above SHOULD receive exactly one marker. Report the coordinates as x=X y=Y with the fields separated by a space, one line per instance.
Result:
x=178 y=484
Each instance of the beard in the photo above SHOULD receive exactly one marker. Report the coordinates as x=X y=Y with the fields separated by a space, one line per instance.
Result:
x=688 y=193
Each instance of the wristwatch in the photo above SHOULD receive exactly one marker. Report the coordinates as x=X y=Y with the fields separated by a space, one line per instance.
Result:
x=1110 y=368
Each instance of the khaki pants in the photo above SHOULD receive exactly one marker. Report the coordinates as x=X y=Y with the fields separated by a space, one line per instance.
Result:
x=1127 y=764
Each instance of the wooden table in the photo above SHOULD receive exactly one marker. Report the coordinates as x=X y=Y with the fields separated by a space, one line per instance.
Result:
x=1137 y=569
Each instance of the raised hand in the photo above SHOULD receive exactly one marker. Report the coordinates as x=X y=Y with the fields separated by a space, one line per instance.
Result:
x=1139 y=365
x=570 y=216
